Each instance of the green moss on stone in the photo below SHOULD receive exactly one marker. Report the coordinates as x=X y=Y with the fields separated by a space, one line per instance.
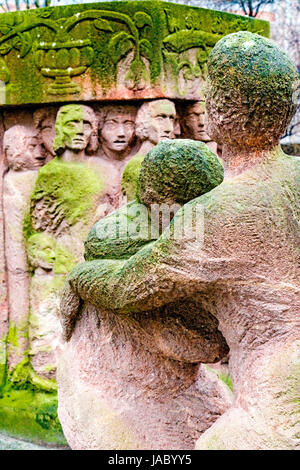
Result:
x=254 y=77
x=130 y=177
x=41 y=47
x=120 y=234
x=226 y=379
x=12 y=335
x=43 y=248
x=3 y=361
x=222 y=376
x=65 y=131
x=17 y=333
x=23 y=377
x=28 y=406
x=68 y=188
x=31 y=415
x=177 y=171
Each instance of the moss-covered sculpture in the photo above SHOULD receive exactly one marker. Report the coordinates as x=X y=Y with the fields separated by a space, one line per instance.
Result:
x=130 y=177
x=105 y=50
x=176 y=336
x=155 y=121
x=198 y=170
x=63 y=202
x=163 y=175
x=246 y=269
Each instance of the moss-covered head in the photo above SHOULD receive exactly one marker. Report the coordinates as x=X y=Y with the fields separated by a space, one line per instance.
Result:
x=176 y=171
x=76 y=128
x=251 y=92
x=44 y=252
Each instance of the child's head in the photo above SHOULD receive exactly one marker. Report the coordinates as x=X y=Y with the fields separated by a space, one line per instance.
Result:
x=41 y=251
x=177 y=171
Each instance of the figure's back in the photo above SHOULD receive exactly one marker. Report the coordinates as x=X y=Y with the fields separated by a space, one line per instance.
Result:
x=254 y=220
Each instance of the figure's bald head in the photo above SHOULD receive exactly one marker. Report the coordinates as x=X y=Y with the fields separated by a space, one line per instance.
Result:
x=251 y=92
x=22 y=148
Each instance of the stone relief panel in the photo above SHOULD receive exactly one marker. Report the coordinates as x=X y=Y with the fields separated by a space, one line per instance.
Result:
x=24 y=157
x=131 y=51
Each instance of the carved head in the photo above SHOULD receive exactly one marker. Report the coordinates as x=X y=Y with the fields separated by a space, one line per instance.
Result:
x=44 y=120
x=117 y=128
x=156 y=121
x=75 y=129
x=41 y=251
x=193 y=122
x=177 y=171
x=44 y=252
x=251 y=91
x=22 y=148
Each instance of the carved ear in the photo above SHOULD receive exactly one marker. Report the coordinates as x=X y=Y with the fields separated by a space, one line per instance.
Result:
x=141 y=131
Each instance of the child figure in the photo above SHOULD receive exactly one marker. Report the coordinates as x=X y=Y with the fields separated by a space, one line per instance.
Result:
x=173 y=173
x=49 y=264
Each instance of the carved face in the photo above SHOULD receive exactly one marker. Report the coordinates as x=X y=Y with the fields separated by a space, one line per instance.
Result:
x=23 y=152
x=41 y=251
x=77 y=134
x=117 y=132
x=195 y=122
x=161 y=121
x=48 y=134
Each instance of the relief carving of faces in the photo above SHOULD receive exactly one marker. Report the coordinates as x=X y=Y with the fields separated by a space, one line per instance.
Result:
x=44 y=120
x=194 y=122
x=22 y=148
x=156 y=121
x=76 y=129
x=117 y=129
x=41 y=251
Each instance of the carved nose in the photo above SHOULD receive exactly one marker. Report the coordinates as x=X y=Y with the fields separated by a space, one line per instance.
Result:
x=120 y=131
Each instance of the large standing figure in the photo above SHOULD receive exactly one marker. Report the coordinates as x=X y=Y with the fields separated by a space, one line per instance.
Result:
x=24 y=157
x=247 y=269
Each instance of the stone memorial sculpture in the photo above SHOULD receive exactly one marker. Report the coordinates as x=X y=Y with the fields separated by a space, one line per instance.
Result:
x=156 y=395
x=245 y=271
x=69 y=187
x=24 y=157
x=75 y=133
x=64 y=201
x=155 y=121
x=49 y=263
x=68 y=72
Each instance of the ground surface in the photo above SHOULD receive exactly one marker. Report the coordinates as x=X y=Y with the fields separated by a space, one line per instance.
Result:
x=10 y=443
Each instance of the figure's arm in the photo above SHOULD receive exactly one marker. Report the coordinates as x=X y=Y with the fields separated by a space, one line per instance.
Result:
x=147 y=280
x=114 y=237
x=172 y=268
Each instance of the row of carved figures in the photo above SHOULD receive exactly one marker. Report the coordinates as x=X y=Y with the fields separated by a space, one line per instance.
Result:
x=111 y=131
